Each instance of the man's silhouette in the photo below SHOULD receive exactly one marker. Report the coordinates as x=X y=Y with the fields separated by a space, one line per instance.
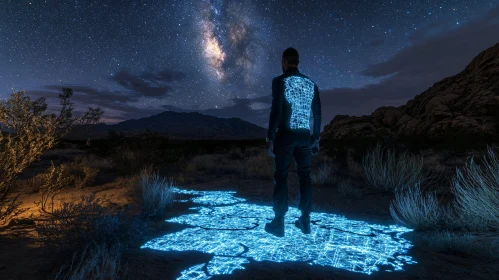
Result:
x=294 y=98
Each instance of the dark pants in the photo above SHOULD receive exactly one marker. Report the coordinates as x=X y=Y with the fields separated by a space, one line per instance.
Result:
x=285 y=148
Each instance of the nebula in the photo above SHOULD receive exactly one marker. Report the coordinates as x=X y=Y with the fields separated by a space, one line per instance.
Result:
x=229 y=40
x=213 y=52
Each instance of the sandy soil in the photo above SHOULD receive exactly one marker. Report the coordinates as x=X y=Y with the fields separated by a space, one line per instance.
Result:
x=22 y=257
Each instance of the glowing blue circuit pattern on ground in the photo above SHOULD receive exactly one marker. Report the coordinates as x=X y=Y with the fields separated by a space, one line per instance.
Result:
x=233 y=231
x=299 y=92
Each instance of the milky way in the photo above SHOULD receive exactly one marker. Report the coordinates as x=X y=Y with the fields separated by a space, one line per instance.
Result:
x=219 y=56
x=229 y=40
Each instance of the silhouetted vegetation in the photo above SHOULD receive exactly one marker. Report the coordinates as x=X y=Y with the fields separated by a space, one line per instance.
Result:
x=32 y=132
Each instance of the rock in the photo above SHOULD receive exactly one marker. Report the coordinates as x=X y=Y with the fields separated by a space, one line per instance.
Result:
x=466 y=104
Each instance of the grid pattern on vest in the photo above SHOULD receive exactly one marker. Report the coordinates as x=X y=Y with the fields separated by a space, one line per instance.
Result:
x=299 y=92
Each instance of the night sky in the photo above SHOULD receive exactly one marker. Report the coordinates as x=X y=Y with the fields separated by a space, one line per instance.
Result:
x=138 y=58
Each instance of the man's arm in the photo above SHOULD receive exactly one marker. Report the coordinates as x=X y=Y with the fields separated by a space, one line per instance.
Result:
x=276 y=109
x=317 y=112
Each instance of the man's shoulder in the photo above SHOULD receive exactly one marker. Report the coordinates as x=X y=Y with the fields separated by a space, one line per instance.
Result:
x=301 y=78
x=278 y=78
x=283 y=77
x=306 y=77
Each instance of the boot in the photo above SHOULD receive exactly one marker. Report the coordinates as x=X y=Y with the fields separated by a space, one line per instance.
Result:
x=303 y=223
x=276 y=227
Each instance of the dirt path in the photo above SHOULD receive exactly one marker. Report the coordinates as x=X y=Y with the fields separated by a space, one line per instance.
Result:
x=156 y=264
x=22 y=258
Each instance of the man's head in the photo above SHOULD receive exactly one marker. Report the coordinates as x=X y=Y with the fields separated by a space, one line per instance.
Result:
x=290 y=58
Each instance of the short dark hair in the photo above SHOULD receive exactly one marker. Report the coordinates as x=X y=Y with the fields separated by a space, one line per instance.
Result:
x=291 y=55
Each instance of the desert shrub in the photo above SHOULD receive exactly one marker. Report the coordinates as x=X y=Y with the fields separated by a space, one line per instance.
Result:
x=79 y=173
x=51 y=184
x=29 y=134
x=77 y=224
x=254 y=163
x=93 y=161
x=83 y=170
x=30 y=185
x=131 y=154
x=258 y=166
x=96 y=262
x=386 y=170
x=476 y=190
x=154 y=193
x=81 y=176
x=325 y=173
x=210 y=163
x=347 y=189
x=415 y=209
x=90 y=176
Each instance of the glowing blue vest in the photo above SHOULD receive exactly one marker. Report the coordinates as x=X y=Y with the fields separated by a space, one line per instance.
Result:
x=299 y=92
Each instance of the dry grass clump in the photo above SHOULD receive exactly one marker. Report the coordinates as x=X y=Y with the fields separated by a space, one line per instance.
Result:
x=75 y=224
x=386 y=170
x=154 y=193
x=80 y=173
x=31 y=185
x=476 y=189
x=325 y=173
x=50 y=185
x=216 y=164
x=470 y=223
x=250 y=164
x=83 y=170
x=415 y=209
x=259 y=166
x=97 y=262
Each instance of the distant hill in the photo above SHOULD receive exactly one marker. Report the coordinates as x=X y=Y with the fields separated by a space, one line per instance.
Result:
x=462 y=106
x=182 y=125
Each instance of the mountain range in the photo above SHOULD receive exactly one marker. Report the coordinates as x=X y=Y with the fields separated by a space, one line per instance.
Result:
x=183 y=125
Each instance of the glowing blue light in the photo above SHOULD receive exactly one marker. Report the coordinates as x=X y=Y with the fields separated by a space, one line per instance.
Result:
x=233 y=232
x=299 y=92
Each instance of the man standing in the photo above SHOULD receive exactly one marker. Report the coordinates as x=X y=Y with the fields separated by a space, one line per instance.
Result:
x=294 y=98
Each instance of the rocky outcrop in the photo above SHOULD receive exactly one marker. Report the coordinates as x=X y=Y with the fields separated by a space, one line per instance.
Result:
x=466 y=104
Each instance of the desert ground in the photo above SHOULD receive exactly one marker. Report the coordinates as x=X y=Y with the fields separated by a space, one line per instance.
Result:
x=94 y=225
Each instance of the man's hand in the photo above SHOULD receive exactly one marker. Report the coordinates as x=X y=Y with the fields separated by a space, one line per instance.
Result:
x=315 y=146
x=270 y=150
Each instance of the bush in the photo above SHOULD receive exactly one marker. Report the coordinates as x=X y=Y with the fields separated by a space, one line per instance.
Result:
x=51 y=184
x=414 y=209
x=82 y=172
x=135 y=152
x=99 y=262
x=259 y=166
x=386 y=170
x=325 y=173
x=77 y=224
x=30 y=134
x=254 y=163
x=154 y=193
x=476 y=190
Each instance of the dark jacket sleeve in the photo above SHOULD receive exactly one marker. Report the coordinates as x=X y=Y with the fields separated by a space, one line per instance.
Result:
x=276 y=109
x=316 y=111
